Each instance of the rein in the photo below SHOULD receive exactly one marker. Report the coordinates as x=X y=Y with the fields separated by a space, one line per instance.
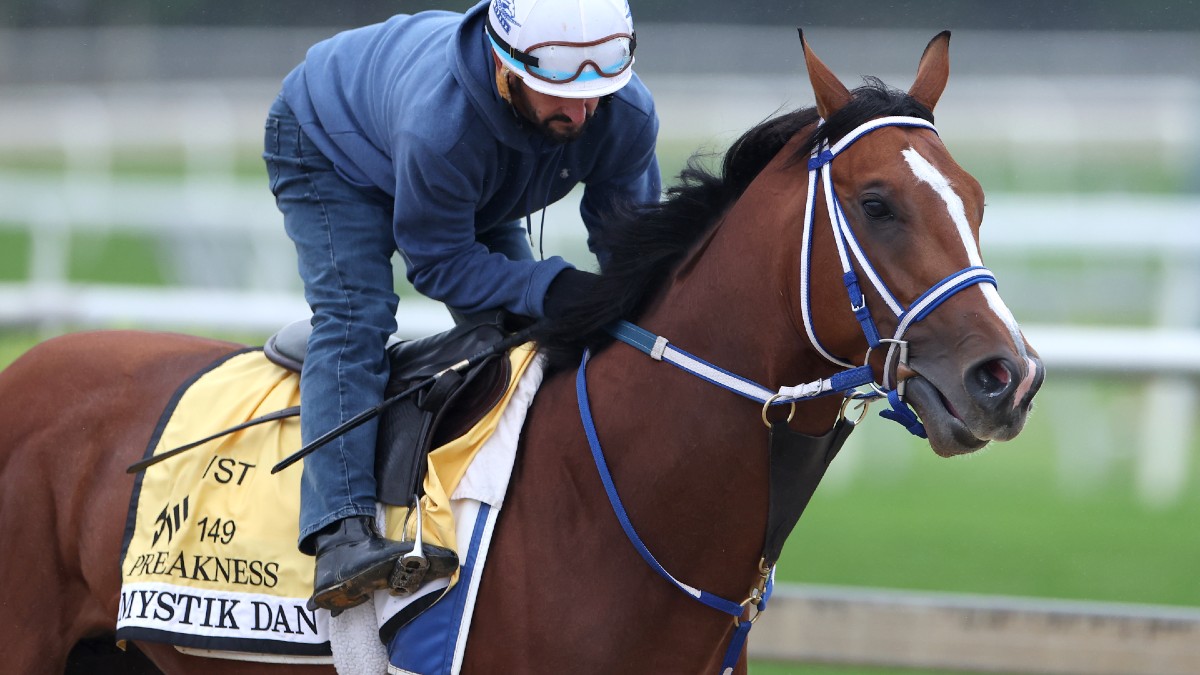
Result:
x=798 y=461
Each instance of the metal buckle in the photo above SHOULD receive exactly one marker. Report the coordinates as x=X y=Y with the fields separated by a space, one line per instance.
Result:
x=776 y=397
x=756 y=593
x=902 y=360
x=864 y=404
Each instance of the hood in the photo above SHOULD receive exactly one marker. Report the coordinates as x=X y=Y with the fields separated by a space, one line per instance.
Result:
x=473 y=68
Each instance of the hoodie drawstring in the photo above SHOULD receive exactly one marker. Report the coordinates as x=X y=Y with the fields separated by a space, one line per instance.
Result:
x=541 y=243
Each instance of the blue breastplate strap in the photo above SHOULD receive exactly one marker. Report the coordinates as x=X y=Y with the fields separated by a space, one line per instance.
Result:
x=735 y=609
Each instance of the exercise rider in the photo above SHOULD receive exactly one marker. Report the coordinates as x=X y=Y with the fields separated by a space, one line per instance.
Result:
x=438 y=135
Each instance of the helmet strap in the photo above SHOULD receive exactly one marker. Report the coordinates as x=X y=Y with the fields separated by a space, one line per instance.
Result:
x=502 y=83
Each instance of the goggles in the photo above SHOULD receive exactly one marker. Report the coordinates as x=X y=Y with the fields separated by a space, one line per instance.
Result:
x=562 y=62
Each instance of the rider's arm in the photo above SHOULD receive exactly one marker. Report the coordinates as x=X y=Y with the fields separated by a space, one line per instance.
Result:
x=434 y=227
x=627 y=174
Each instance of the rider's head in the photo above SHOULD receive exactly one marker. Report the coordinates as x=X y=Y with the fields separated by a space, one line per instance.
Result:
x=560 y=57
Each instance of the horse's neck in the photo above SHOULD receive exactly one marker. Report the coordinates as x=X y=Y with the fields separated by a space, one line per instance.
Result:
x=689 y=451
x=689 y=460
x=736 y=306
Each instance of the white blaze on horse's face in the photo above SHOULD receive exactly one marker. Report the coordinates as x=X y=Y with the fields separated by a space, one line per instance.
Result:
x=927 y=173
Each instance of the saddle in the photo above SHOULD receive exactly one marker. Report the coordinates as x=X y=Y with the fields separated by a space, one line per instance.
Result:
x=440 y=412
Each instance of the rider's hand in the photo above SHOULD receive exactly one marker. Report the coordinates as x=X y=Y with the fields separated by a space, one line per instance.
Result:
x=565 y=290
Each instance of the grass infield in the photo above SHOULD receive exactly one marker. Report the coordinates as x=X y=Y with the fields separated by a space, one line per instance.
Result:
x=1037 y=516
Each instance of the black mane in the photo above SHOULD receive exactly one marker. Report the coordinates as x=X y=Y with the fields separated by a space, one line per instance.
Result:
x=647 y=243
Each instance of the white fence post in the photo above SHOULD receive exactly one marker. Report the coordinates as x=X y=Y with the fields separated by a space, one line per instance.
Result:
x=1170 y=403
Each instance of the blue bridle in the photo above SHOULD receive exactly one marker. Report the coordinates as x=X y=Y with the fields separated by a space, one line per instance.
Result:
x=849 y=380
x=846 y=382
x=820 y=172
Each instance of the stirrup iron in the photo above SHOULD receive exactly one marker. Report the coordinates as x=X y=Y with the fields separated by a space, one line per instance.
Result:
x=410 y=569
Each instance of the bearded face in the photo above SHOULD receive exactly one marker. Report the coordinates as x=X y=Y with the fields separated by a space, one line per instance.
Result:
x=561 y=120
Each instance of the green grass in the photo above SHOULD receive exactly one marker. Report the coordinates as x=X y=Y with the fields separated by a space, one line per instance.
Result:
x=112 y=258
x=157 y=162
x=1001 y=169
x=13 y=344
x=766 y=668
x=14 y=254
x=1015 y=519
x=117 y=258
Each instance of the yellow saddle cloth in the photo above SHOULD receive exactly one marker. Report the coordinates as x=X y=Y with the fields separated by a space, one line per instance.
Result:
x=209 y=559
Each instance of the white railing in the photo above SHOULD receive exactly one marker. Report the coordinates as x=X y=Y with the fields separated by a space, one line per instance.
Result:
x=231 y=268
x=960 y=632
x=229 y=265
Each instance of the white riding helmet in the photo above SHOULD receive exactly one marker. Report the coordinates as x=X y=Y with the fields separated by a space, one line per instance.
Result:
x=565 y=48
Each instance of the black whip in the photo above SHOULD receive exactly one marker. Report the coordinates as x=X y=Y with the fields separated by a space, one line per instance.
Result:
x=151 y=461
x=520 y=337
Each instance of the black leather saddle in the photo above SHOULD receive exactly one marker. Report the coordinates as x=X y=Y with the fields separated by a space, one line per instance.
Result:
x=448 y=407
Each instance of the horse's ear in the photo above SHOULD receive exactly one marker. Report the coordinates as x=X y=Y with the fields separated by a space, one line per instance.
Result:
x=831 y=93
x=933 y=71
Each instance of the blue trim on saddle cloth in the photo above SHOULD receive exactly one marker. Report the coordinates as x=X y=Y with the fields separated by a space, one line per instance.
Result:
x=428 y=643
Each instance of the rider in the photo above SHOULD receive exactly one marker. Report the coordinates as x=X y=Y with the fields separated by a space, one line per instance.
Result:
x=435 y=135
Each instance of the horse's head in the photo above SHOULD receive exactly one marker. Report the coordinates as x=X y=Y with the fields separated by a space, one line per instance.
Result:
x=889 y=216
x=909 y=219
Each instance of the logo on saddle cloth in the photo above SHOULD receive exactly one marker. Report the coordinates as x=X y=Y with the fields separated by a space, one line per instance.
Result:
x=209 y=558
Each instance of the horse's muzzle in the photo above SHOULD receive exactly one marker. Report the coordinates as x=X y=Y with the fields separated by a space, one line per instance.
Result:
x=992 y=403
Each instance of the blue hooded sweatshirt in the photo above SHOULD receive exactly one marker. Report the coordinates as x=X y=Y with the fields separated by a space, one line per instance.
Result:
x=409 y=106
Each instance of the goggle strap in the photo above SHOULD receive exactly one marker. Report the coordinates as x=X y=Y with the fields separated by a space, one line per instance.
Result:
x=532 y=61
x=513 y=53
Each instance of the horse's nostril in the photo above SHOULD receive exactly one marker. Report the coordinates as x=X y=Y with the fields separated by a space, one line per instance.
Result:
x=993 y=377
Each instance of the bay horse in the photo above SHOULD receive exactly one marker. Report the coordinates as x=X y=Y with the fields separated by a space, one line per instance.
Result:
x=748 y=268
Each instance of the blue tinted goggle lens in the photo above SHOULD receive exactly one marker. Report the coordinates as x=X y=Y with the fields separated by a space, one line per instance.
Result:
x=561 y=62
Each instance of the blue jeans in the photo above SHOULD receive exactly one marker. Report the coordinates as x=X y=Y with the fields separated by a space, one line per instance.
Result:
x=344 y=245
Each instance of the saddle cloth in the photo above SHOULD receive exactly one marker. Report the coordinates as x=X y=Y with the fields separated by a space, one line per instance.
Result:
x=209 y=558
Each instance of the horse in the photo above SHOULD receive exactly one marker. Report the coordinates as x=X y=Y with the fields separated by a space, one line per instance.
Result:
x=824 y=230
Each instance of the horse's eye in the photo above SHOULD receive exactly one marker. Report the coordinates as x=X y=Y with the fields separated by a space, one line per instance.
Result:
x=876 y=209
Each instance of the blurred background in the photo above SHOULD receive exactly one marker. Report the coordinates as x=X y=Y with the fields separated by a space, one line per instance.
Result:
x=132 y=194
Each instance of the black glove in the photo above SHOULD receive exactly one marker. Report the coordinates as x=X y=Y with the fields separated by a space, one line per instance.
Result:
x=565 y=291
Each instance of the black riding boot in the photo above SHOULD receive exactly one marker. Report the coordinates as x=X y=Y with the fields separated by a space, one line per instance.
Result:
x=353 y=560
